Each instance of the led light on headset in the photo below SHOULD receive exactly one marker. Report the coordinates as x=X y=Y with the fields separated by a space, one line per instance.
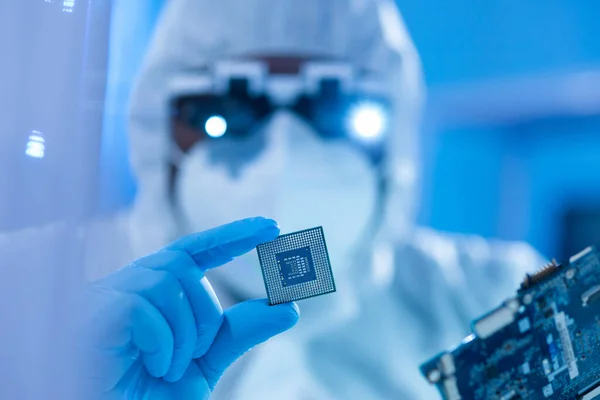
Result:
x=215 y=126
x=366 y=121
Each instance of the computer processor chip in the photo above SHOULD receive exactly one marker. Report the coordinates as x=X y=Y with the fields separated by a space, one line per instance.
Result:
x=296 y=266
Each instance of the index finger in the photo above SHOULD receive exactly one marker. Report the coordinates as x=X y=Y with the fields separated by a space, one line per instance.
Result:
x=218 y=246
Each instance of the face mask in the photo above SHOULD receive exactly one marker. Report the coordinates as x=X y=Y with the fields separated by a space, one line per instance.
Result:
x=297 y=179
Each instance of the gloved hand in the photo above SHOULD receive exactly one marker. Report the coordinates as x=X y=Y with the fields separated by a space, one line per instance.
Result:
x=156 y=329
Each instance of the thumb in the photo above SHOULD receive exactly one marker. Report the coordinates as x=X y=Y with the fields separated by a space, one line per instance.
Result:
x=244 y=326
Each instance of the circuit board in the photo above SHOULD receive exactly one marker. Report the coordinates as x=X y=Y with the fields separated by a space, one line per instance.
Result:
x=543 y=343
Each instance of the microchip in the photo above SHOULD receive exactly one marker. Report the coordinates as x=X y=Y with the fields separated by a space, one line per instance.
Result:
x=296 y=266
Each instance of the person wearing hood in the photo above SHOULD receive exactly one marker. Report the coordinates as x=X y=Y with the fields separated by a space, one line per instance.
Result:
x=308 y=112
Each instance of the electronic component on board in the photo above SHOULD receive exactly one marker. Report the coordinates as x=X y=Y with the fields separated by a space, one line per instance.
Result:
x=542 y=344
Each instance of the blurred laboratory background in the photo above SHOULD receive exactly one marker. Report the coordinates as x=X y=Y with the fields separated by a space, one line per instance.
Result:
x=511 y=140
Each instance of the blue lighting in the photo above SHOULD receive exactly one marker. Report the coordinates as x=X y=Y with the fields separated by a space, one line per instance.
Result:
x=215 y=126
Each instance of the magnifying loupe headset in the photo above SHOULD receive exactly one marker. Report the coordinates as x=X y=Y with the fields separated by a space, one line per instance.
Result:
x=232 y=98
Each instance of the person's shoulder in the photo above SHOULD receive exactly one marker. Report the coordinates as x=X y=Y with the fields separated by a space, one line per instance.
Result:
x=481 y=272
x=428 y=245
x=424 y=256
x=519 y=255
x=448 y=245
x=461 y=257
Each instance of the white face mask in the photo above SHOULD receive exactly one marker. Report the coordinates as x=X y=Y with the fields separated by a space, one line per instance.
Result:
x=297 y=179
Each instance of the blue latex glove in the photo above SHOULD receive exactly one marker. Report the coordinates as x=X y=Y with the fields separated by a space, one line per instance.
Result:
x=157 y=330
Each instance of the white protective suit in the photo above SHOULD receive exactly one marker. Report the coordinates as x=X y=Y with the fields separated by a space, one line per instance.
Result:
x=404 y=293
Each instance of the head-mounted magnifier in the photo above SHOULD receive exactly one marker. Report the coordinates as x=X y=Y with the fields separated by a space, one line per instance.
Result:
x=232 y=98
